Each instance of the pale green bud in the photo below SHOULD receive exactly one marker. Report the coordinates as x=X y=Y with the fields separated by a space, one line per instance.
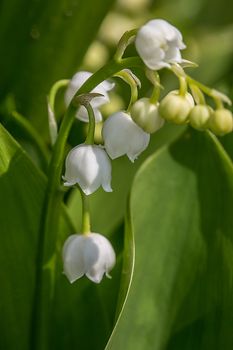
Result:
x=221 y=122
x=175 y=108
x=146 y=115
x=199 y=116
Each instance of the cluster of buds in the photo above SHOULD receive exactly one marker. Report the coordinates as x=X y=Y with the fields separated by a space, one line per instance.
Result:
x=180 y=108
x=127 y=132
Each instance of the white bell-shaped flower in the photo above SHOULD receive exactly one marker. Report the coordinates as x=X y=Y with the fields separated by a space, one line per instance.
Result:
x=90 y=254
x=89 y=166
x=76 y=82
x=123 y=136
x=158 y=43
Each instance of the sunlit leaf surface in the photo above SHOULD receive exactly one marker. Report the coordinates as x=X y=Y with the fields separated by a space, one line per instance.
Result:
x=181 y=293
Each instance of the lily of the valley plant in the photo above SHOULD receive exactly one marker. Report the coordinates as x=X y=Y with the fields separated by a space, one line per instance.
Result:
x=126 y=132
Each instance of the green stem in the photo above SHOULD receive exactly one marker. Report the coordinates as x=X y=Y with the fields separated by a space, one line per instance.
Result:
x=91 y=126
x=182 y=76
x=218 y=103
x=49 y=228
x=86 y=220
x=202 y=87
x=197 y=94
x=183 y=86
x=156 y=90
x=125 y=40
x=155 y=95
x=51 y=107
x=218 y=97
x=129 y=78
x=54 y=90
x=133 y=96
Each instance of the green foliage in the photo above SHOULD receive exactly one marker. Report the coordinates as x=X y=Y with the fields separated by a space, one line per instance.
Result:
x=21 y=188
x=181 y=292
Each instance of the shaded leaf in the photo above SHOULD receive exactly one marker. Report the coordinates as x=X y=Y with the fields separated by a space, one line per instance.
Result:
x=21 y=195
x=181 y=292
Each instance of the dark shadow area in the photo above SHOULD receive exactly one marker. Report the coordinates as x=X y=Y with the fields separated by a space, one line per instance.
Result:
x=205 y=317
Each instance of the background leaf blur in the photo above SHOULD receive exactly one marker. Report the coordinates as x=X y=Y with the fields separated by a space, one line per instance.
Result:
x=44 y=41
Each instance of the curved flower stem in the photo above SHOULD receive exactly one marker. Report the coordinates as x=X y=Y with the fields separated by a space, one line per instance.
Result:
x=130 y=79
x=49 y=228
x=91 y=126
x=51 y=108
x=155 y=95
x=218 y=103
x=183 y=86
x=54 y=90
x=197 y=94
x=124 y=41
x=156 y=89
x=216 y=95
x=182 y=76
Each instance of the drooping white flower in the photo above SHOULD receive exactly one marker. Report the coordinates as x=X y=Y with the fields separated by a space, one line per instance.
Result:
x=76 y=82
x=158 y=43
x=89 y=166
x=123 y=136
x=90 y=254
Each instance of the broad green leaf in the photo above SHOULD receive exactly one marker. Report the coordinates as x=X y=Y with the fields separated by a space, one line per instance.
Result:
x=44 y=41
x=79 y=309
x=21 y=195
x=181 y=295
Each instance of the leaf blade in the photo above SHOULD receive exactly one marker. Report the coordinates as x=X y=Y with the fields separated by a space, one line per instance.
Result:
x=179 y=245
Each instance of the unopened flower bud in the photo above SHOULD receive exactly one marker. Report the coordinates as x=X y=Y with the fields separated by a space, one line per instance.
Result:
x=199 y=116
x=221 y=122
x=123 y=136
x=89 y=167
x=90 y=254
x=146 y=115
x=175 y=108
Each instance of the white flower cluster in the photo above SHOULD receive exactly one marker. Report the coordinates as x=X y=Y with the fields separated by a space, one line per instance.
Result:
x=89 y=165
x=158 y=43
x=124 y=133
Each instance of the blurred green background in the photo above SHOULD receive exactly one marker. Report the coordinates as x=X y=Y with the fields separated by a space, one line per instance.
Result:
x=43 y=42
